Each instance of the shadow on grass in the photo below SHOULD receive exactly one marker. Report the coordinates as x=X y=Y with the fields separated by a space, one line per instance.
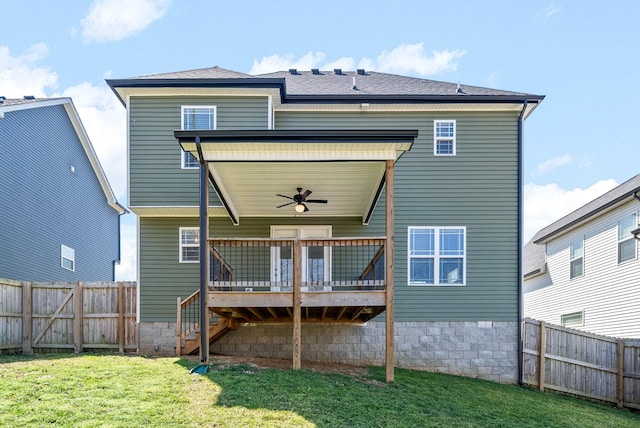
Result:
x=415 y=399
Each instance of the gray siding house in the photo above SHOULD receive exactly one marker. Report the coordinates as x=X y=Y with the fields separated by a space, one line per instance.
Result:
x=354 y=217
x=583 y=271
x=60 y=220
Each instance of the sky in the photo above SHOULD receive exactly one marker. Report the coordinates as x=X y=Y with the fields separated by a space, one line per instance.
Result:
x=584 y=56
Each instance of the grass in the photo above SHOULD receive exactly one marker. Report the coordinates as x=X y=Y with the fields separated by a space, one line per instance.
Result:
x=115 y=391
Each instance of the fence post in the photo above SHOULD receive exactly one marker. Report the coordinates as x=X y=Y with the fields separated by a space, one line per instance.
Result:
x=543 y=341
x=620 y=376
x=121 y=338
x=27 y=321
x=78 y=319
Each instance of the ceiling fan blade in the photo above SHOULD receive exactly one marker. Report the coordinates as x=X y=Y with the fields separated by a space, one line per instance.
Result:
x=284 y=205
x=317 y=201
x=305 y=208
x=285 y=196
x=306 y=194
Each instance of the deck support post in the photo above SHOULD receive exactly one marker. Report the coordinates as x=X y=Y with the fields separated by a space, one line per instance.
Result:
x=204 y=256
x=297 y=305
x=390 y=328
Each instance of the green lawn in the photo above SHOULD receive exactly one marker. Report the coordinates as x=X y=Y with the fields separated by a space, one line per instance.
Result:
x=107 y=390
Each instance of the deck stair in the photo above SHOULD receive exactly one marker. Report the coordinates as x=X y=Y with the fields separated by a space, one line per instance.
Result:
x=217 y=330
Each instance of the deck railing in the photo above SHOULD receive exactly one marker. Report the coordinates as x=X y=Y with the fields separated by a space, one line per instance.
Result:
x=328 y=264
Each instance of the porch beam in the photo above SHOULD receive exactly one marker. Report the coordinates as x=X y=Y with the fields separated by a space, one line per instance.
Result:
x=204 y=256
x=390 y=327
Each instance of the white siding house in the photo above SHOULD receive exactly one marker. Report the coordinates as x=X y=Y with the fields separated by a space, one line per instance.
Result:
x=583 y=270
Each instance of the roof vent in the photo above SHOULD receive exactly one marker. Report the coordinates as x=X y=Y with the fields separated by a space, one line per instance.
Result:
x=337 y=70
x=361 y=72
x=293 y=71
x=2 y=98
x=354 y=86
x=459 y=89
x=29 y=97
x=315 y=71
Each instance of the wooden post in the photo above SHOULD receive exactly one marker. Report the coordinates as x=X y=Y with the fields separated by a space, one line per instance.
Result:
x=620 y=376
x=121 y=338
x=297 y=301
x=543 y=340
x=178 y=327
x=78 y=317
x=390 y=328
x=27 y=325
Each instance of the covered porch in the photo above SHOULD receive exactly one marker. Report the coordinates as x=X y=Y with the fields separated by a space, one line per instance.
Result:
x=295 y=278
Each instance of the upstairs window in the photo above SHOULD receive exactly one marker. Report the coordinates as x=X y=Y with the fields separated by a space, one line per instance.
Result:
x=196 y=118
x=437 y=255
x=626 y=241
x=576 y=263
x=67 y=258
x=444 y=137
x=189 y=244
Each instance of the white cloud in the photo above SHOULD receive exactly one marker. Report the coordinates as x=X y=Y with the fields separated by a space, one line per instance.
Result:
x=553 y=163
x=111 y=20
x=551 y=10
x=21 y=76
x=544 y=204
x=403 y=59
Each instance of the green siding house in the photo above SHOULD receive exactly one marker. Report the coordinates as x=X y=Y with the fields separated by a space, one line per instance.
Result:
x=354 y=217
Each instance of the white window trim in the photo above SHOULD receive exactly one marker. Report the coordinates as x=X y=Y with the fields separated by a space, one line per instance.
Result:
x=572 y=259
x=631 y=237
x=572 y=313
x=215 y=125
x=181 y=245
x=436 y=138
x=436 y=257
x=67 y=253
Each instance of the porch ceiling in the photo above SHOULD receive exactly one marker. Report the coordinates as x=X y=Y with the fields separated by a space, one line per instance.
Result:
x=345 y=167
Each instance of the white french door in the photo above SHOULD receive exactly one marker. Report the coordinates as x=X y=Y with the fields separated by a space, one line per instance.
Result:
x=316 y=261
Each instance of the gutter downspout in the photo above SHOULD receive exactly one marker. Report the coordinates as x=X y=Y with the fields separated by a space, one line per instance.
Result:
x=520 y=235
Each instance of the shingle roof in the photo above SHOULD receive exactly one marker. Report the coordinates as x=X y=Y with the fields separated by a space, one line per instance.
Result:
x=372 y=83
x=533 y=259
x=612 y=197
x=200 y=73
x=19 y=101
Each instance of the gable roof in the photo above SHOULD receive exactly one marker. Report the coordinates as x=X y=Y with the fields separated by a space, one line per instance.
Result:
x=15 y=104
x=317 y=86
x=611 y=199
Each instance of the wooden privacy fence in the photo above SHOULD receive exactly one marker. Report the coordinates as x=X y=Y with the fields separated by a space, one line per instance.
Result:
x=584 y=364
x=73 y=316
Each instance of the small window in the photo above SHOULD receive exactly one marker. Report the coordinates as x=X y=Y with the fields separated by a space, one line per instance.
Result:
x=444 y=137
x=437 y=255
x=576 y=264
x=189 y=244
x=196 y=117
x=67 y=258
x=573 y=319
x=626 y=241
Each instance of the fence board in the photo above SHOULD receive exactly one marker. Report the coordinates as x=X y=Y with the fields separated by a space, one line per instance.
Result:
x=100 y=315
x=579 y=363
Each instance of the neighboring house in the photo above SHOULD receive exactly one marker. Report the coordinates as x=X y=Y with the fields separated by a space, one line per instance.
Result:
x=60 y=220
x=425 y=170
x=583 y=270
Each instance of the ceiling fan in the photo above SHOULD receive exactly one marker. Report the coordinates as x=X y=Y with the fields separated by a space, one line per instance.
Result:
x=300 y=199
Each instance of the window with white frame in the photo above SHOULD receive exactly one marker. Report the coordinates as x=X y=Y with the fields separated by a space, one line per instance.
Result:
x=196 y=118
x=189 y=244
x=67 y=258
x=626 y=242
x=444 y=137
x=572 y=319
x=437 y=255
x=576 y=256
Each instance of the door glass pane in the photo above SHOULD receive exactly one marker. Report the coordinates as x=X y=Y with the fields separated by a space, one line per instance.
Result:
x=315 y=263
x=286 y=265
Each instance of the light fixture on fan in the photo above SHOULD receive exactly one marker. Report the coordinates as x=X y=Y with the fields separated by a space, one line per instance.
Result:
x=299 y=208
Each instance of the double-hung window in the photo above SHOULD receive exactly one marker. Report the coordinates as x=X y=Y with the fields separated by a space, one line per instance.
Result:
x=189 y=244
x=444 y=137
x=437 y=255
x=576 y=263
x=573 y=319
x=626 y=241
x=67 y=258
x=196 y=118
